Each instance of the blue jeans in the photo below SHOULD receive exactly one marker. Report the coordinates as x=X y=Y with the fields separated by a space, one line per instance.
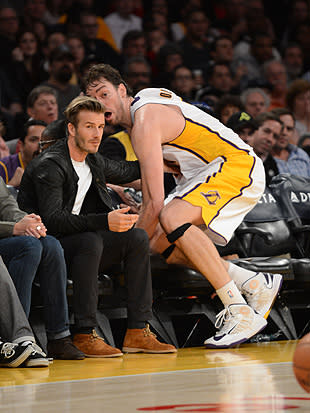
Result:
x=27 y=258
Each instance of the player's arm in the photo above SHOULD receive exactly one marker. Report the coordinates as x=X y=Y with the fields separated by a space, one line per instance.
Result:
x=146 y=137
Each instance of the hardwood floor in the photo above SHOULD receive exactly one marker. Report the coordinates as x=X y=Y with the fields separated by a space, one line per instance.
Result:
x=251 y=378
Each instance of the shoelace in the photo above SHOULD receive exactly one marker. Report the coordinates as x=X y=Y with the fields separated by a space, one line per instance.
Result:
x=222 y=317
x=147 y=332
x=95 y=336
x=37 y=350
x=8 y=349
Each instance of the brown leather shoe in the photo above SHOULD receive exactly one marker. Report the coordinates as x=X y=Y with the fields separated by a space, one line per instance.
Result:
x=64 y=349
x=94 y=346
x=143 y=340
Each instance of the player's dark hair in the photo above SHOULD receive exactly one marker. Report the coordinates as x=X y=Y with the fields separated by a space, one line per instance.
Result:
x=107 y=72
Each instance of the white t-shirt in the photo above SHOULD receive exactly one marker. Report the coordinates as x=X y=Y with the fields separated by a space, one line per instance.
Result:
x=85 y=177
x=119 y=26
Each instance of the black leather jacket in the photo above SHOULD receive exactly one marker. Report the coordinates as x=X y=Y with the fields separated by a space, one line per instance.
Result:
x=49 y=186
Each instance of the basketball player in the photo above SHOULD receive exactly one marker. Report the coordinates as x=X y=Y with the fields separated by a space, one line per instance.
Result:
x=220 y=181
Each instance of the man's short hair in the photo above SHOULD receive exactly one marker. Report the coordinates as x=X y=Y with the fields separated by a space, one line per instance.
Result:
x=225 y=101
x=82 y=103
x=264 y=116
x=245 y=94
x=213 y=65
x=135 y=59
x=55 y=130
x=130 y=36
x=107 y=72
x=31 y=122
x=283 y=111
x=37 y=92
x=213 y=45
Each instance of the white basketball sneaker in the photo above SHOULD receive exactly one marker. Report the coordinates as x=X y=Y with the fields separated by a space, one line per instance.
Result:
x=261 y=290
x=237 y=323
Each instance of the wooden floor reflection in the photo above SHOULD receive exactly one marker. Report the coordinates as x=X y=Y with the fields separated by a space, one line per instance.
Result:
x=252 y=378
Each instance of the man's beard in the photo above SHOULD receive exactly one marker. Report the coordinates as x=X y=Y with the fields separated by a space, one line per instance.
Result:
x=64 y=75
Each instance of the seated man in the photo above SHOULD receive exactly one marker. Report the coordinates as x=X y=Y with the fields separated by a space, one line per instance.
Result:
x=12 y=167
x=268 y=132
x=14 y=326
x=289 y=158
x=28 y=253
x=70 y=193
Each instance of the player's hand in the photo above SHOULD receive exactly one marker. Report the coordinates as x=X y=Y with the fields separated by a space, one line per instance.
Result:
x=126 y=198
x=134 y=209
x=120 y=221
x=30 y=225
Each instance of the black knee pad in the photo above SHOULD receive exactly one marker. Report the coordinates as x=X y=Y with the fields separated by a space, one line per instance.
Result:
x=168 y=251
x=172 y=237
x=178 y=232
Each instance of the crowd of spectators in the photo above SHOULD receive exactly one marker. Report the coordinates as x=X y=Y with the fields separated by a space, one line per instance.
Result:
x=237 y=59
x=201 y=51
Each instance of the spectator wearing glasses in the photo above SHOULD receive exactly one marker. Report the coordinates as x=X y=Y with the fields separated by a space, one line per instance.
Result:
x=289 y=158
x=42 y=104
x=137 y=73
x=183 y=83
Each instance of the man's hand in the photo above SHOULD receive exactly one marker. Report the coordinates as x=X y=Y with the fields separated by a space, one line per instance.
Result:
x=17 y=177
x=31 y=225
x=126 y=198
x=17 y=54
x=120 y=221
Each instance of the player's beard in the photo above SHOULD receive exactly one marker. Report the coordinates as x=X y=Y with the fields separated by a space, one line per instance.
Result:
x=121 y=111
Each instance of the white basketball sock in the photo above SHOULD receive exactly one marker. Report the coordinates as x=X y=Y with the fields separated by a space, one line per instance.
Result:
x=239 y=275
x=229 y=294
